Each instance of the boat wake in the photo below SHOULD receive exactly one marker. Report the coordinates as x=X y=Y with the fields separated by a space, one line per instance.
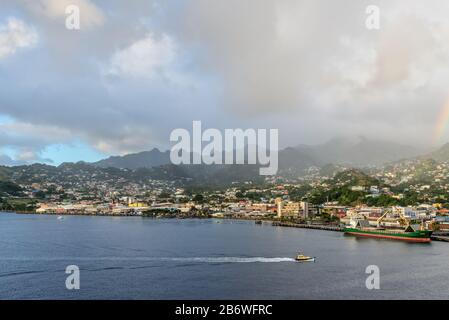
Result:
x=232 y=259
x=162 y=259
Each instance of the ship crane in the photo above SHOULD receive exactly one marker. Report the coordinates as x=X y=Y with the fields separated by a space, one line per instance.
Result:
x=381 y=218
x=402 y=219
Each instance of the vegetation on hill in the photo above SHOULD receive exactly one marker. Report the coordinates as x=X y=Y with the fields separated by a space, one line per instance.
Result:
x=8 y=188
x=354 y=177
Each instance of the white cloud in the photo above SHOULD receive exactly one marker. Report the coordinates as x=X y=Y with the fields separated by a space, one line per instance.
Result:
x=27 y=155
x=15 y=34
x=28 y=141
x=31 y=136
x=144 y=58
x=128 y=140
x=6 y=160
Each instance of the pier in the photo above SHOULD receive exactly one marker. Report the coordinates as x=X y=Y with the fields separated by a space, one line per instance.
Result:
x=439 y=238
x=307 y=226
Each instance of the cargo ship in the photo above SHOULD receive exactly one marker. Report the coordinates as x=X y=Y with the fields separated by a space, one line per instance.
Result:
x=409 y=233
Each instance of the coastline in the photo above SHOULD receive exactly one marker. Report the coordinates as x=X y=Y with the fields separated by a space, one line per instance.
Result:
x=273 y=222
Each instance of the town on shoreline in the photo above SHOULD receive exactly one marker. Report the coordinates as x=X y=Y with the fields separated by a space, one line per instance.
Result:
x=280 y=211
x=407 y=192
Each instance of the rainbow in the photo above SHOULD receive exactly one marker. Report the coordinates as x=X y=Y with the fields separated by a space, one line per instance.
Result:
x=442 y=121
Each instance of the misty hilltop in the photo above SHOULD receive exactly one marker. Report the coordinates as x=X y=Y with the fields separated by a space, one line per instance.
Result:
x=354 y=152
x=145 y=159
x=357 y=152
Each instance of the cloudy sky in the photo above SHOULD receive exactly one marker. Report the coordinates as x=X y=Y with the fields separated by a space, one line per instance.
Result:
x=138 y=69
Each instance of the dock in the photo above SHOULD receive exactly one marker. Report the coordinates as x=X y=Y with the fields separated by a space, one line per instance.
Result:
x=307 y=226
x=440 y=238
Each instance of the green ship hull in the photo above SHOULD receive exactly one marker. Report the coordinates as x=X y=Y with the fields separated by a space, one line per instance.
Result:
x=414 y=236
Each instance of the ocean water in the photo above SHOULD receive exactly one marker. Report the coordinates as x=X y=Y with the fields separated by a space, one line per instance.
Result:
x=143 y=258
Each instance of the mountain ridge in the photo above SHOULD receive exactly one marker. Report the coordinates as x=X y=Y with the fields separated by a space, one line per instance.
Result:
x=357 y=152
x=143 y=159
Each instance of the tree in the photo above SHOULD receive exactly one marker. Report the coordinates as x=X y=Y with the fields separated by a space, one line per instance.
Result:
x=199 y=198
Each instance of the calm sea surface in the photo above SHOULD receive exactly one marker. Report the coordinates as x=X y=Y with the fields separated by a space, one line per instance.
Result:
x=141 y=258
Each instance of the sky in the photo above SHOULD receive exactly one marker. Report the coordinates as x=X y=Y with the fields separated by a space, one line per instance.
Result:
x=136 y=70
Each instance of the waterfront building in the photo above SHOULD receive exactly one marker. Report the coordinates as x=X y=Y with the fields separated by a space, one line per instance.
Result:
x=137 y=205
x=305 y=209
x=293 y=209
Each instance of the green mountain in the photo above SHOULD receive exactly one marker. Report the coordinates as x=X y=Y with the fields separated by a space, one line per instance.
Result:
x=354 y=177
x=145 y=159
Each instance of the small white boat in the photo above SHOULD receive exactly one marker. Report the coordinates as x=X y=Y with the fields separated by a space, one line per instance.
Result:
x=60 y=218
x=302 y=258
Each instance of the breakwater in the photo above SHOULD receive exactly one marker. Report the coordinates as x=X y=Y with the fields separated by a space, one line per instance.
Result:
x=307 y=226
x=439 y=238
